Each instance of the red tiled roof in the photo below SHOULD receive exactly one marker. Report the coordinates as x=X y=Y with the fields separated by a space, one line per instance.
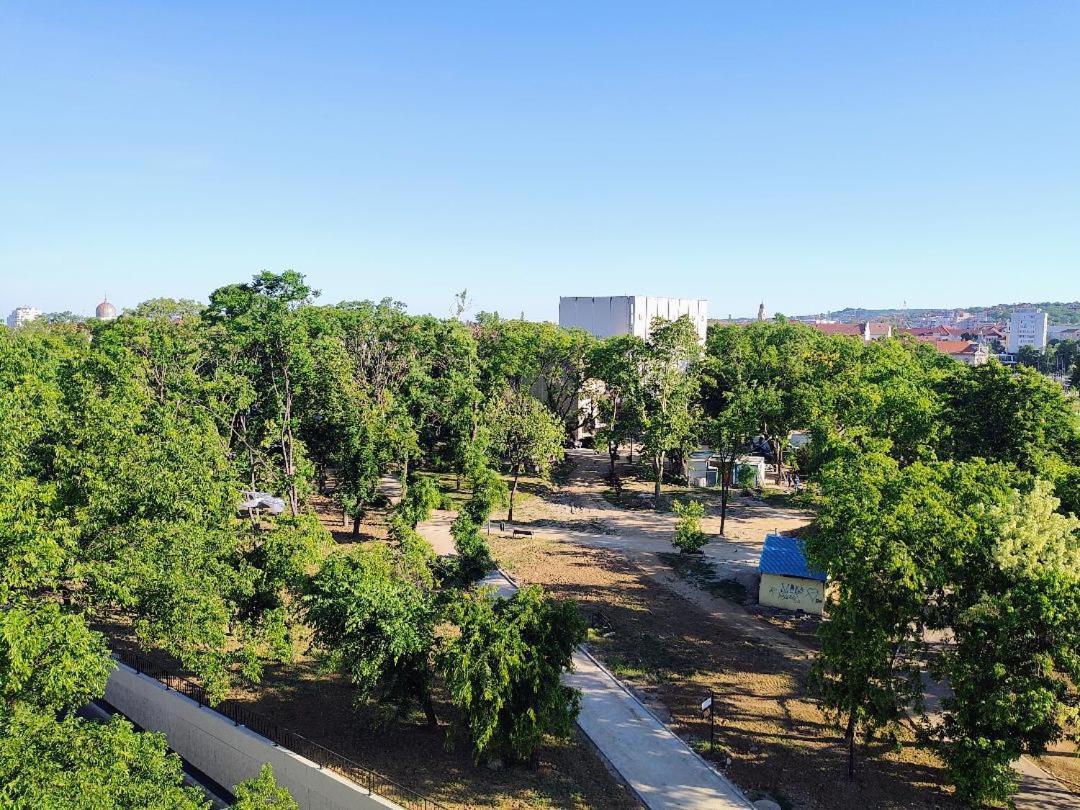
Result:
x=879 y=328
x=948 y=331
x=853 y=329
x=952 y=346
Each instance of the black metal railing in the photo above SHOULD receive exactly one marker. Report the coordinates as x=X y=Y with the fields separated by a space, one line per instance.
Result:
x=323 y=757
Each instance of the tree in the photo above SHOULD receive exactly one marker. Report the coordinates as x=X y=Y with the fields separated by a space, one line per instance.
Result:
x=420 y=500
x=971 y=549
x=733 y=402
x=376 y=627
x=1031 y=357
x=668 y=387
x=50 y=659
x=167 y=308
x=263 y=793
x=880 y=578
x=1014 y=610
x=689 y=538
x=84 y=765
x=615 y=363
x=538 y=358
x=1014 y=416
x=524 y=433
x=473 y=553
x=503 y=670
x=489 y=492
x=261 y=336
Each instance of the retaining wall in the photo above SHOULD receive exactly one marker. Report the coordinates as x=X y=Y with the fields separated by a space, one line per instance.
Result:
x=228 y=753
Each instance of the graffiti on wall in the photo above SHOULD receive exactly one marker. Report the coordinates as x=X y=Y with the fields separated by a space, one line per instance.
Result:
x=791 y=593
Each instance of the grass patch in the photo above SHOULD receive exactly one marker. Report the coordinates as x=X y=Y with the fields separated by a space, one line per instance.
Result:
x=697 y=569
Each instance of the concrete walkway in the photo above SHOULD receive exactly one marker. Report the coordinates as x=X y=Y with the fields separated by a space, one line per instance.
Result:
x=640 y=535
x=656 y=763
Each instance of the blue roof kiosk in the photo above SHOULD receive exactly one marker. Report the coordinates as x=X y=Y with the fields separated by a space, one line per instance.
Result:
x=787 y=581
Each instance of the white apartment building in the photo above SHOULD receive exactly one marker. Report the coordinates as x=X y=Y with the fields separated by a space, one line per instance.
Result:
x=1028 y=329
x=606 y=316
x=21 y=315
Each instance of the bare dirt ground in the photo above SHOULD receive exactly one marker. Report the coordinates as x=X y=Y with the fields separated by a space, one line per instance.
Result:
x=577 y=518
x=321 y=706
x=674 y=653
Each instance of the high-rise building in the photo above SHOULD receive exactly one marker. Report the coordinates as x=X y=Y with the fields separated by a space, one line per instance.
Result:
x=606 y=316
x=21 y=315
x=105 y=311
x=1028 y=328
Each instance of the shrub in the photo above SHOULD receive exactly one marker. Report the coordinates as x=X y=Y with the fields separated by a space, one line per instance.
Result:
x=689 y=538
x=489 y=491
x=503 y=670
x=420 y=499
x=474 y=555
x=263 y=793
x=375 y=626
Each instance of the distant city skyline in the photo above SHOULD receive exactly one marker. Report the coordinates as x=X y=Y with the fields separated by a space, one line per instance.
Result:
x=94 y=309
x=816 y=156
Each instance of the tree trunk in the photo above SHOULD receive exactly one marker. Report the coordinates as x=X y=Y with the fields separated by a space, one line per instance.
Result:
x=849 y=736
x=429 y=710
x=658 y=468
x=513 y=492
x=613 y=455
x=356 y=525
x=725 y=485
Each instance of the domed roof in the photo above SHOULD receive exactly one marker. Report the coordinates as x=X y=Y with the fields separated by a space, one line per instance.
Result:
x=105 y=311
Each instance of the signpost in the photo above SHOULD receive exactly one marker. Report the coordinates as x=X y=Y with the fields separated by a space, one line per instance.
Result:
x=707 y=706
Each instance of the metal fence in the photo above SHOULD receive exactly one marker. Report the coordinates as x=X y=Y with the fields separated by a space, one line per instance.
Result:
x=322 y=756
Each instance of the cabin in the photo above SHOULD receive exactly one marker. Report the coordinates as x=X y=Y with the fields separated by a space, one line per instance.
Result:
x=787 y=581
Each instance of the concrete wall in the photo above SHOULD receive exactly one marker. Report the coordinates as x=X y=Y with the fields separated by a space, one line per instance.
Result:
x=606 y=316
x=226 y=753
x=792 y=593
x=647 y=308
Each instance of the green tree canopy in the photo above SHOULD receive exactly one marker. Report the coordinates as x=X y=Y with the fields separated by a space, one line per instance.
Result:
x=503 y=670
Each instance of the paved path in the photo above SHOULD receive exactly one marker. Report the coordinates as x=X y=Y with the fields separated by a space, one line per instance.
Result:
x=641 y=534
x=1041 y=791
x=656 y=763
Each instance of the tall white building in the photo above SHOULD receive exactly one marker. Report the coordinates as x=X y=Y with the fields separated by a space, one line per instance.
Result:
x=21 y=315
x=1028 y=329
x=629 y=314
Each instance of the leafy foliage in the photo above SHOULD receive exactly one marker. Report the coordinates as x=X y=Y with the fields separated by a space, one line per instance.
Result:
x=76 y=764
x=689 y=538
x=263 y=793
x=375 y=627
x=525 y=434
x=503 y=670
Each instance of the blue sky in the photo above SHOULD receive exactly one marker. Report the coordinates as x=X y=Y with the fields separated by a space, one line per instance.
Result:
x=815 y=155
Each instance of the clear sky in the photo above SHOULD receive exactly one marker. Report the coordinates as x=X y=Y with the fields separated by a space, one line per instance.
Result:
x=815 y=155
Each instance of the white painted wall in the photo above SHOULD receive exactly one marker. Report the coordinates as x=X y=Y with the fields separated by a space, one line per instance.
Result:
x=226 y=753
x=606 y=316
x=1027 y=329
x=792 y=593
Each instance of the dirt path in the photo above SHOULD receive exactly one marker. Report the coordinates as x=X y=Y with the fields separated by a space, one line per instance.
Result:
x=579 y=514
x=661 y=769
